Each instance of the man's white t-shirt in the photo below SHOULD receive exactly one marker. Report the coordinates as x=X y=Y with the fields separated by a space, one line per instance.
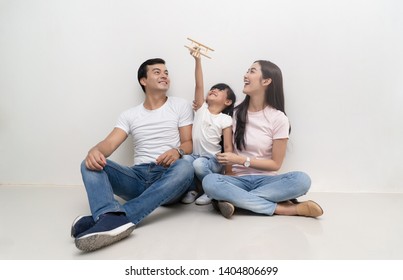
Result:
x=207 y=131
x=155 y=131
x=261 y=129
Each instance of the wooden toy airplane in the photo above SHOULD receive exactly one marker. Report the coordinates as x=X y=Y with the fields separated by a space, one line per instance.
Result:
x=198 y=49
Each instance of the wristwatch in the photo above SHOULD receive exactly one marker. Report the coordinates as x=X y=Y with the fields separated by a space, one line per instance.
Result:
x=181 y=152
x=247 y=162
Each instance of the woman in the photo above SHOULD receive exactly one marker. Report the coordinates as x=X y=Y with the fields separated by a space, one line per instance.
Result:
x=261 y=131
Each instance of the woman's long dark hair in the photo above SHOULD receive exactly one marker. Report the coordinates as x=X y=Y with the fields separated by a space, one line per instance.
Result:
x=274 y=96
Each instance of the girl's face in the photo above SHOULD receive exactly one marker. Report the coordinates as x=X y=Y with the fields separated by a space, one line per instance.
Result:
x=253 y=80
x=218 y=96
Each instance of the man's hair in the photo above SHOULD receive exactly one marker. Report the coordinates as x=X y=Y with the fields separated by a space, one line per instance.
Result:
x=142 y=72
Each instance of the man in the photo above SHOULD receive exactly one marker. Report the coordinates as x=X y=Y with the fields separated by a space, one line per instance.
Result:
x=162 y=133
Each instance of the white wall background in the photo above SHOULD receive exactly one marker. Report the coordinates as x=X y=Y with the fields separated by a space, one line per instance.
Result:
x=68 y=68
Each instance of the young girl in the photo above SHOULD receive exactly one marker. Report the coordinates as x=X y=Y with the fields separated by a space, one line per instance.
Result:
x=261 y=131
x=212 y=126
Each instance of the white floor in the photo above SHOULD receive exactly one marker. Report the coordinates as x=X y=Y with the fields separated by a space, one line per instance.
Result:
x=35 y=225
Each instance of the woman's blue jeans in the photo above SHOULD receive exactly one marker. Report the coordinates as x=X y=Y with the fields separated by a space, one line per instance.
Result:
x=144 y=187
x=257 y=193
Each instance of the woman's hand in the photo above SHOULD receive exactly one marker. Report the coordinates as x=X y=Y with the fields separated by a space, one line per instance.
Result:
x=229 y=158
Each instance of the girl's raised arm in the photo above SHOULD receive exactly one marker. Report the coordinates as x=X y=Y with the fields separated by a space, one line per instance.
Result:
x=199 y=84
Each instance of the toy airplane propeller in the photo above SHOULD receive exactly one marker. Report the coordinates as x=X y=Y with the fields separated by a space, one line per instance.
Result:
x=198 y=49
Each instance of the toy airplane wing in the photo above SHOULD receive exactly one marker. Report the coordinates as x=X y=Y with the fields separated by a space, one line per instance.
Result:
x=198 y=48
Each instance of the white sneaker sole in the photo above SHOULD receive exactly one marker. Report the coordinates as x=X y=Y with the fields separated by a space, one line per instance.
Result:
x=203 y=202
x=95 y=241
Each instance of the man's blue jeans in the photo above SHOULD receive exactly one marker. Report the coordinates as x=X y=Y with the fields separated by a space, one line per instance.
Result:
x=144 y=187
x=257 y=193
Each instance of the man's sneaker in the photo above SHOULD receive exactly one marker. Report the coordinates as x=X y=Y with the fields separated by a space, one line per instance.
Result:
x=225 y=208
x=81 y=224
x=109 y=229
x=203 y=200
x=189 y=197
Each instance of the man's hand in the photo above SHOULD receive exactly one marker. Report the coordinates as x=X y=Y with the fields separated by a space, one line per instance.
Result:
x=168 y=158
x=95 y=160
